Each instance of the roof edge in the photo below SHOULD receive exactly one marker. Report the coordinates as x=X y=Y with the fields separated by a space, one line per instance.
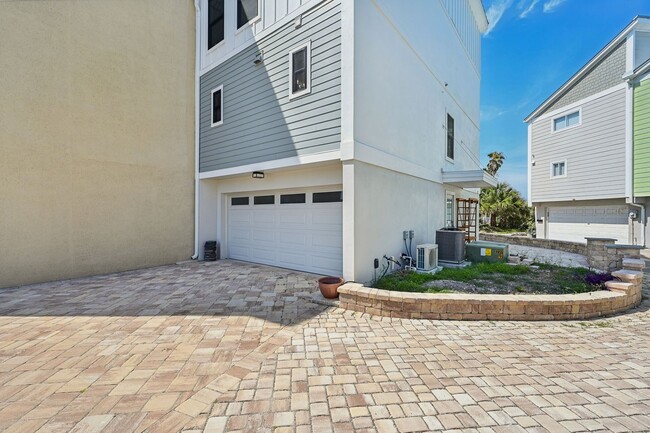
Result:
x=479 y=13
x=586 y=68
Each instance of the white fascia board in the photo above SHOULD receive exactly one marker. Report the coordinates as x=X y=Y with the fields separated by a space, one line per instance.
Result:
x=581 y=102
x=469 y=179
x=583 y=71
x=273 y=165
x=530 y=164
x=479 y=14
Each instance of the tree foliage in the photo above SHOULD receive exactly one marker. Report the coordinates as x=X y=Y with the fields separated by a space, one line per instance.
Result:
x=495 y=162
x=505 y=208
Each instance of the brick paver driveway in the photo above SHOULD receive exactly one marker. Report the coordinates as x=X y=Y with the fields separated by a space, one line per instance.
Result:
x=234 y=347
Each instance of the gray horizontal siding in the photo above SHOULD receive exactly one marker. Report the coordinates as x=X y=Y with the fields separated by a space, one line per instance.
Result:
x=594 y=151
x=607 y=73
x=260 y=123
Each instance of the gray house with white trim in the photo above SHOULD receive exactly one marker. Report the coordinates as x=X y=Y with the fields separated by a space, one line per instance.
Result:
x=580 y=148
x=328 y=127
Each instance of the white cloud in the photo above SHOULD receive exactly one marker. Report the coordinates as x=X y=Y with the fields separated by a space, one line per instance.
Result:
x=551 y=5
x=525 y=12
x=495 y=12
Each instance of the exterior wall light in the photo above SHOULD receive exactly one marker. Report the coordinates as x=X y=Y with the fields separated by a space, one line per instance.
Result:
x=258 y=175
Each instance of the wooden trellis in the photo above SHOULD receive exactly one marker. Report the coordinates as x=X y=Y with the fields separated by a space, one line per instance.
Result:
x=466 y=214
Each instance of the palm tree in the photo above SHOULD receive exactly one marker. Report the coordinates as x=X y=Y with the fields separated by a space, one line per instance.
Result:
x=495 y=163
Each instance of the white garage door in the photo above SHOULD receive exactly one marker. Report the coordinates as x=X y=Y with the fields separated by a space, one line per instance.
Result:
x=576 y=223
x=299 y=230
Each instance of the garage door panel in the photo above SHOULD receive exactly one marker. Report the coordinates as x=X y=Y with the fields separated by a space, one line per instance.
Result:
x=263 y=236
x=263 y=217
x=576 y=223
x=306 y=237
x=237 y=235
x=325 y=241
x=240 y=218
x=290 y=218
x=293 y=239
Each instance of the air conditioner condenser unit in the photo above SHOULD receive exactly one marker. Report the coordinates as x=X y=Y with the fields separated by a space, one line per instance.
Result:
x=426 y=258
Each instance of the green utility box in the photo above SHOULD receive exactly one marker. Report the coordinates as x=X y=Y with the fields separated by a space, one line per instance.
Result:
x=491 y=252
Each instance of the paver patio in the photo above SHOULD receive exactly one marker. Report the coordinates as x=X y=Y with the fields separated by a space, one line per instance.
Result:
x=228 y=346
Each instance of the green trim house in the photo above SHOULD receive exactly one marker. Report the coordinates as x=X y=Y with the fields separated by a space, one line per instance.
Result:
x=641 y=150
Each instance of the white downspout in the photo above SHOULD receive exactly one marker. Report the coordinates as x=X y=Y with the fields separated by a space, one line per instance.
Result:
x=641 y=219
x=197 y=69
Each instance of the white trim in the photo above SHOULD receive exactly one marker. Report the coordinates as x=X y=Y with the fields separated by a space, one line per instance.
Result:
x=218 y=89
x=530 y=164
x=334 y=155
x=479 y=14
x=257 y=18
x=562 y=161
x=453 y=208
x=304 y=45
x=581 y=102
x=347 y=78
x=585 y=69
x=566 y=114
x=198 y=49
x=348 y=252
x=629 y=142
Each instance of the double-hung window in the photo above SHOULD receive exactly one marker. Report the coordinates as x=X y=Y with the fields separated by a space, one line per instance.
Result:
x=215 y=22
x=566 y=121
x=300 y=70
x=450 y=137
x=247 y=11
x=558 y=169
x=217 y=106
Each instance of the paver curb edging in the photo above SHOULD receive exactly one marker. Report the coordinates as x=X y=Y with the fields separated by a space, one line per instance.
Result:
x=620 y=296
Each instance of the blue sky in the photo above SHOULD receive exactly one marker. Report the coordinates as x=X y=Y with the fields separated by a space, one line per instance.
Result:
x=530 y=49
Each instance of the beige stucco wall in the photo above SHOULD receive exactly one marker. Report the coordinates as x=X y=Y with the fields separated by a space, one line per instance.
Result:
x=96 y=137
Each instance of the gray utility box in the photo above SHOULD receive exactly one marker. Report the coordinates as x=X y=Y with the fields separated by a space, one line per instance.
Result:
x=451 y=245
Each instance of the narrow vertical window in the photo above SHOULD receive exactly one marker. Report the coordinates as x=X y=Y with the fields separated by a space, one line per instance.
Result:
x=300 y=71
x=247 y=10
x=215 y=22
x=217 y=106
x=450 y=220
x=450 y=137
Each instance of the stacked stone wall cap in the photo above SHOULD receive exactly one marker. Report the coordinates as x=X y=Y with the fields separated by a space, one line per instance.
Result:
x=628 y=276
x=619 y=286
x=633 y=264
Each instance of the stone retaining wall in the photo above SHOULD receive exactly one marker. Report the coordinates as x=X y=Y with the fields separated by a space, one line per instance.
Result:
x=620 y=296
x=569 y=247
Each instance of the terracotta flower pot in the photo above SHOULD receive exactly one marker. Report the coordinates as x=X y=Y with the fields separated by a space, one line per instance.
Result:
x=329 y=286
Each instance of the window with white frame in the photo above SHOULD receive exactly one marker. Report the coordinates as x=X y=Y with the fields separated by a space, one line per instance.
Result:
x=450 y=219
x=247 y=11
x=558 y=169
x=566 y=121
x=215 y=22
x=450 y=137
x=217 y=106
x=300 y=70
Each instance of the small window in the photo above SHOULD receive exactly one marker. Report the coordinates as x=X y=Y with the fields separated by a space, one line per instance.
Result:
x=558 y=169
x=217 y=106
x=450 y=137
x=300 y=70
x=247 y=11
x=292 y=198
x=264 y=199
x=450 y=220
x=239 y=201
x=215 y=22
x=566 y=121
x=327 y=197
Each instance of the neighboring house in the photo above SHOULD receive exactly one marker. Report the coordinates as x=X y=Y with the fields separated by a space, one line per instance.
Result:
x=96 y=136
x=329 y=127
x=589 y=147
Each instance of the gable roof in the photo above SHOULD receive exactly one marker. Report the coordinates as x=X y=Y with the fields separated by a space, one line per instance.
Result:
x=586 y=68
